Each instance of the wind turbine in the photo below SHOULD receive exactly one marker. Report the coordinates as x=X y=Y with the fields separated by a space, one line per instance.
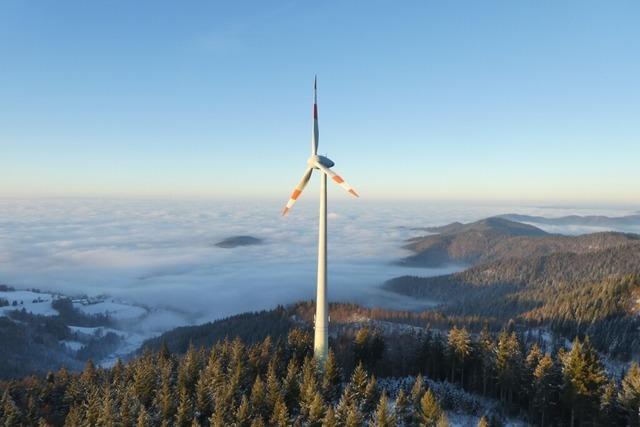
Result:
x=323 y=165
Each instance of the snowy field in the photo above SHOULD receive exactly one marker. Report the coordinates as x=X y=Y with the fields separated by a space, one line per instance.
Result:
x=32 y=302
x=136 y=324
x=113 y=309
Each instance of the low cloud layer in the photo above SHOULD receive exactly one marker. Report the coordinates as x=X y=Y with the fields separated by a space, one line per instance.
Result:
x=163 y=254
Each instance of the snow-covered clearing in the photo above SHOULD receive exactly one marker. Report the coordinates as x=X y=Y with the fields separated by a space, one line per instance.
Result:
x=32 y=302
x=115 y=310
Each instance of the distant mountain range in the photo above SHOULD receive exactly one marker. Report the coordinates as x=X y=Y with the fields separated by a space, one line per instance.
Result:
x=589 y=220
x=498 y=238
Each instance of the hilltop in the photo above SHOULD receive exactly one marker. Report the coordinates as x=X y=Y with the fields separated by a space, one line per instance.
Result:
x=497 y=238
x=236 y=241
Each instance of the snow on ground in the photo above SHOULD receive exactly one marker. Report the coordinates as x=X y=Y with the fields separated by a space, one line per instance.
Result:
x=72 y=345
x=132 y=341
x=463 y=408
x=116 y=310
x=32 y=302
x=458 y=419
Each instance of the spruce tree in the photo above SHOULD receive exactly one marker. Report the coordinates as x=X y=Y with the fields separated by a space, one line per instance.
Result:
x=93 y=407
x=610 y=411
x=487 y=357
x=217 y=419
x=274 y=390
x=290 y=385
x=11 y=416
x=144 y=420
x=280 y=416
x=584 y=378
x=107 y=416
x=546 y=387
x=89 y=375
x=430 y=412
x=75 y=417
x=508 y=365
x=31 y=415
x=359 y=381
x=165 y=399
x=354 y=417
x=347 y=400
x=144 y=380
x=331 y=378
x=330 y=419
x=533 y=357
x=203 y=399
x=417 y=391
x=188 y=370
x=383 y=416
x=316 y=411
x=118 y=374
x=371 y=396
x=184 y=413
x=127 y=415
x=630 y=395
x=243 y=413
x=530 y=364
x=403 y=409
x=460 y=348
x=308 y=388
x=164 y=353
x=258 y=398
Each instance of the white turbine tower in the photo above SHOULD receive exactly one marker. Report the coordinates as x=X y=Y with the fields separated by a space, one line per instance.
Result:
x=324 y=165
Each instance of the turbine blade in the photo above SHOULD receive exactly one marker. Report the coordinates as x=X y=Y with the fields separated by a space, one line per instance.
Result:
x=336 y=178
x=298 y=190
x=315 y=138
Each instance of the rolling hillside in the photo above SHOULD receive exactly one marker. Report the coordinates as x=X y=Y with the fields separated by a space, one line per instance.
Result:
x=496 y=238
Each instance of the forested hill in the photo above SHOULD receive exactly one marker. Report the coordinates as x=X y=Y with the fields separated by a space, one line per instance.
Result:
x=498 y=238
x=533 y=271
x=593 y=293
x=250 y=327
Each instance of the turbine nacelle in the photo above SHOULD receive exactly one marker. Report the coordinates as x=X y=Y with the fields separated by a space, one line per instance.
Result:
x=316 y=162
x=324 y=161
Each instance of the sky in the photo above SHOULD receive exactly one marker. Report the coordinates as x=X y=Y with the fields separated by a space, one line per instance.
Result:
x=519 y=101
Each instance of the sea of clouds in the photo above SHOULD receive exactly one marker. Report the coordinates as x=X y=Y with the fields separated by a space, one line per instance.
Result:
x=163 y=253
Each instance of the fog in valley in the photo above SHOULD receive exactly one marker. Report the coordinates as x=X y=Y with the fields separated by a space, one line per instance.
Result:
x=163 y=254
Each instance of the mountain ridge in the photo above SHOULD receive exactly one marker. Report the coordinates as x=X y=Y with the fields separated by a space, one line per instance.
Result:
x=496 y=238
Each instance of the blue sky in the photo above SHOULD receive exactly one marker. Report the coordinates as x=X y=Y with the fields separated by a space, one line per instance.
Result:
x=465 y=100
